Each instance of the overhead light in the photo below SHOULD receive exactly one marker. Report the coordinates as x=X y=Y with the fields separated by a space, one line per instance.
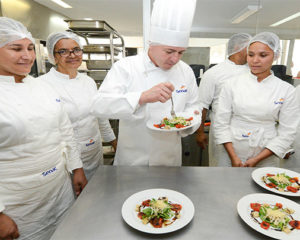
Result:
x=61 y=3
x=89 y=19
x=286 y=19
x=246 y=12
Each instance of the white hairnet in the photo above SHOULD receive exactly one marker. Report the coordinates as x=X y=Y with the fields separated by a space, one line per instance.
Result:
x=12 y=30
x=270 y=39
x=237 y=43
x=53 y=38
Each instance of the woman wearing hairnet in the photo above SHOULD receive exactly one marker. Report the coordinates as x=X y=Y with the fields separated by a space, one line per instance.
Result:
x=37 y=149
x=211 y=84
x=76 y=91
x=257 y=115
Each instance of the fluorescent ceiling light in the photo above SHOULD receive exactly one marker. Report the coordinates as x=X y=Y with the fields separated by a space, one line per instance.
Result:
x=88 y=19
x=246 y=12
x=286 y=19
x=61 y=3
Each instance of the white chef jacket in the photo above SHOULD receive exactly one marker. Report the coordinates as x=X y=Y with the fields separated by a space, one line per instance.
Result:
x=209 y=90
x=247 y=115
x=37 y=150
x=118 y=98
x=76 y=95
x=294 y=160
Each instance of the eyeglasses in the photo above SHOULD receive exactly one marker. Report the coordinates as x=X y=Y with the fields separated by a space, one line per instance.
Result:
x=67 y=52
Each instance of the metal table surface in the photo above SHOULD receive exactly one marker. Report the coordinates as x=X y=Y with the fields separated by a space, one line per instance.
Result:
x=214 y=191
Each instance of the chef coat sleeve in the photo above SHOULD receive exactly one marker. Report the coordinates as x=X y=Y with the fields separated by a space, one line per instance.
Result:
x=67 y=134
x=106 y=131
x=192 y=103
x=223 y=115
x=1 y=206
x=207 y=89
x=113 y=100
x=289 y=117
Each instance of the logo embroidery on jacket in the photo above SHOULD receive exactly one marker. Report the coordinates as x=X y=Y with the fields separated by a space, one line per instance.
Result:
x=182 y=89
x=90 y=143
x=246 y=135
x=57 y=100
x=281 y=100
x=49 y=171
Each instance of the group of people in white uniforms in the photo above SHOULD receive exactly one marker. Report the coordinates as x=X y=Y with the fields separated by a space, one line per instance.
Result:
x=45 y=146
x=257 y=114
x=211 y=84
x=138 y=89
x=76 y=92
x=37 y=147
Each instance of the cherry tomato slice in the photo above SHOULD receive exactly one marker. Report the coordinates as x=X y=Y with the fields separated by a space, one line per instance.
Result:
x=140 y=215
x=157 y=222
x=176 y=207
x=189 y=119
x=271 y=185
x=270 y=175
x=279 y=205
x=292 y=189
x=295 y=224
x=146 y=203
x=255 y=206
x=265 y=225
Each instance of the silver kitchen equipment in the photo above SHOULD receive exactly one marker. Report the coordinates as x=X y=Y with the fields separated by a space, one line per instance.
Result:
x=100 y=48
x=97 y=75
x=98 y=64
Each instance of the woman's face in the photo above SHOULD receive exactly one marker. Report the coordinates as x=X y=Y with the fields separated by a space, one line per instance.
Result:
x=260 y=58
x=17 y=58
x=71 y=61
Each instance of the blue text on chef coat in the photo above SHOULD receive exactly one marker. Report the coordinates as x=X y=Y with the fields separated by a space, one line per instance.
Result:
x=280 y=101
x=89 y=144
x=57 y=100
x=181 y=90
x=49 y=171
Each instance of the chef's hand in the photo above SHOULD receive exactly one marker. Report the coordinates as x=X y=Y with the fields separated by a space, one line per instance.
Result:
x=201 y=139
x=237 y=162
x=114 y=144
x=159 y=93
x=79 y=180
x=8 y=228
x=251 y=162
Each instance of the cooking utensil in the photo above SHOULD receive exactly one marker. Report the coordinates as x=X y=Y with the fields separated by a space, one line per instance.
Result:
x=172 y=110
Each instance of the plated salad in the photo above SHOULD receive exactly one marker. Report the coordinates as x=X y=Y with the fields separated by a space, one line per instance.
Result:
x=282 y=182
x=177 y=122
x=274 y=217
x=158 y=212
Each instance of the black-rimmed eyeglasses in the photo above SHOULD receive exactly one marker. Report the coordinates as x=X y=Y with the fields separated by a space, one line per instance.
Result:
x=67 y=52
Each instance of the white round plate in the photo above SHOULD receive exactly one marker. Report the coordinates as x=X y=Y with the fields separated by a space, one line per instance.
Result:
x=244 y=210
x=130 y=215
x=260 y=172
x=150 y=123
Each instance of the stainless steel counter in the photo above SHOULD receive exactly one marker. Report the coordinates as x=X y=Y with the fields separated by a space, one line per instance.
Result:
x=214 y=191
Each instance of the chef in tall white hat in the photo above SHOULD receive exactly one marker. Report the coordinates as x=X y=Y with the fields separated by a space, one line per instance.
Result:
x=138 y=89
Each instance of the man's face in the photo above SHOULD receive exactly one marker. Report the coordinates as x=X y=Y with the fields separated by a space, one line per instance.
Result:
x=165 y=57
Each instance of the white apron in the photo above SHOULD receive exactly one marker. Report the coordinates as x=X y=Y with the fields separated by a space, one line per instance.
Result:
x=36 y=148
x=37 y=202
x=248 y=141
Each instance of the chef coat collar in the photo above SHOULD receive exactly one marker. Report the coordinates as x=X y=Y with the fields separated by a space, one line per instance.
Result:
x=7 y=79
x=267 y=79
x=229 y=61
x=62 y=75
